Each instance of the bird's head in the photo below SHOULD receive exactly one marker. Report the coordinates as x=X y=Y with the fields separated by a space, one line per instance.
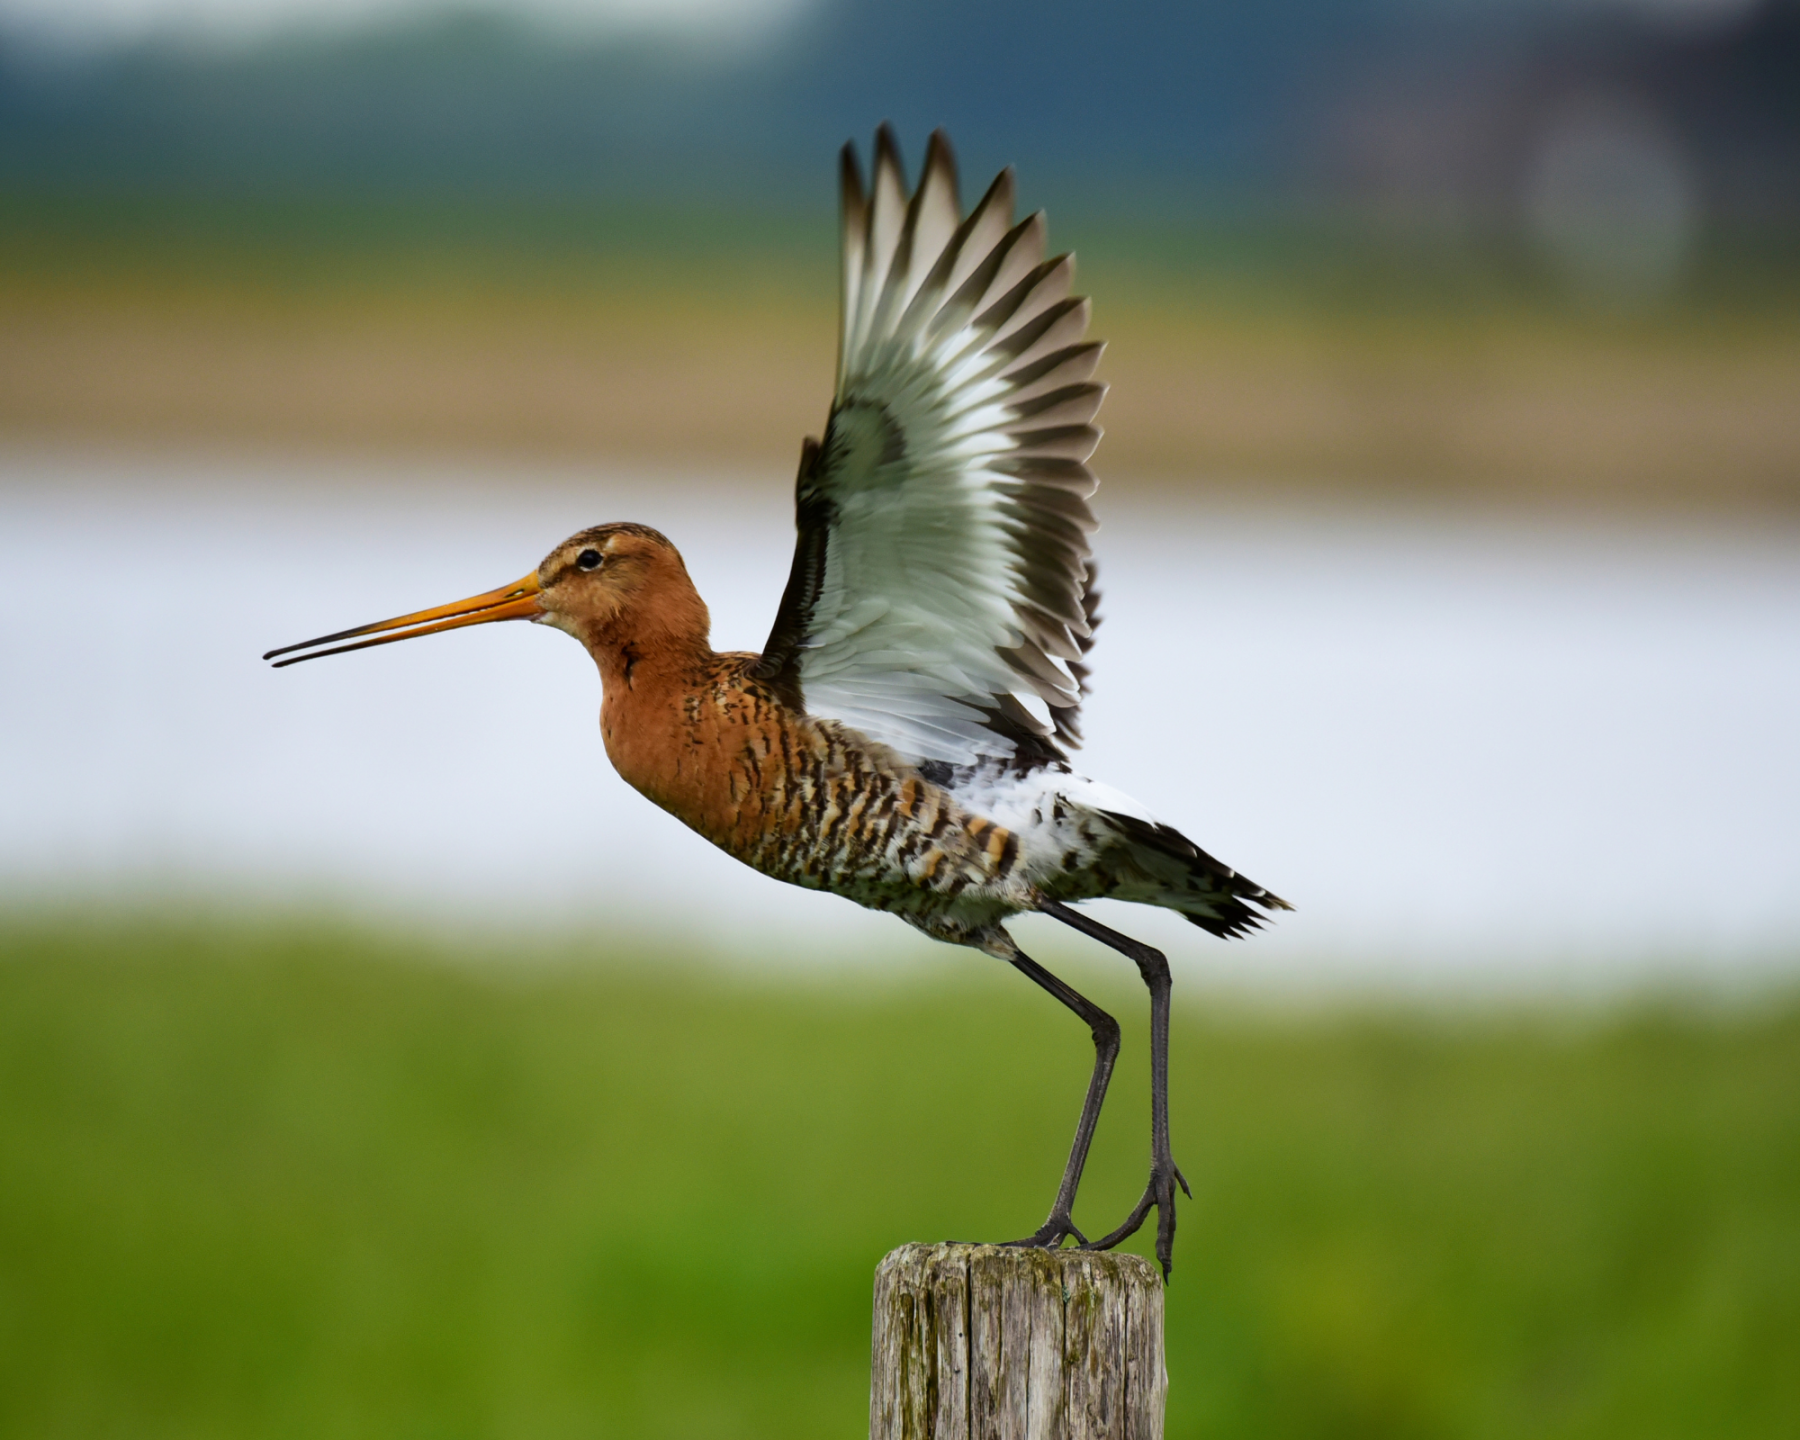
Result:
x=619 y=584
x=609 y=587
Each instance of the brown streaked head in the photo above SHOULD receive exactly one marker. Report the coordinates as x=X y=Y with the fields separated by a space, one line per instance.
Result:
x=622 y=584
x=609 y=584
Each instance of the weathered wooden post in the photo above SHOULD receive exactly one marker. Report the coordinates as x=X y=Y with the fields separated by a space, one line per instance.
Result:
x=985 y=1342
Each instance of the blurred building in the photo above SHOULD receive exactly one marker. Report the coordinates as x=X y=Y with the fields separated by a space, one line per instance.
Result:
x=1611 y=137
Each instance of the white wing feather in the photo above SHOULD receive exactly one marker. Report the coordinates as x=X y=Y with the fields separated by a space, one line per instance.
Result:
x=937 y=601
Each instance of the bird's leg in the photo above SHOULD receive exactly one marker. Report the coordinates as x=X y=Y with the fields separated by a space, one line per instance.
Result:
x=1061 y=1223
x=1164 y=1176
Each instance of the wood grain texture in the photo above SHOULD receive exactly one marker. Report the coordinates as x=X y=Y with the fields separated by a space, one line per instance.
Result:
x=981 y=1342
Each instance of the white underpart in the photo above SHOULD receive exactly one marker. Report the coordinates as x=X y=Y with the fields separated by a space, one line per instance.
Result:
x=1027 y=803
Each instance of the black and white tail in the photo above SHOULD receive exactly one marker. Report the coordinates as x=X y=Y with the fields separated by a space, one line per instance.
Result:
x=1155 y=864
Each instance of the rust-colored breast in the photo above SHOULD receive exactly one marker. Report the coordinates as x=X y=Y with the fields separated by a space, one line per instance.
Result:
x=800 y=799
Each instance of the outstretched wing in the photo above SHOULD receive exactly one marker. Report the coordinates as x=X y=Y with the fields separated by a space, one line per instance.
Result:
x=939 y=594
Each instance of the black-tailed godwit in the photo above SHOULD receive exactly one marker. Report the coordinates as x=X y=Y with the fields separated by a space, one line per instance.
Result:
x=902 y=739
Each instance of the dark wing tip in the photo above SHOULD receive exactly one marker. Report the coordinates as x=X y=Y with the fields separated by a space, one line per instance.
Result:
x=887 y=150
x=1001 y=194
x=850 y=172
x=940 y=157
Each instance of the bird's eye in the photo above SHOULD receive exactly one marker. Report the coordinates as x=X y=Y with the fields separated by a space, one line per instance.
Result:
x=589 y=559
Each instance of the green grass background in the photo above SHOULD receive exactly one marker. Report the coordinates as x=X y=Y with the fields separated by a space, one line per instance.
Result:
x=284 y=1180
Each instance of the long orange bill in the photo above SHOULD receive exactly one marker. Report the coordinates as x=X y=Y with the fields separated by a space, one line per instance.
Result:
x=510 y=602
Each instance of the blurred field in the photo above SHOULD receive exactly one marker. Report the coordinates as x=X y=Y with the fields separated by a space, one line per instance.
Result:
x=272 y=1181
x=1241 y=356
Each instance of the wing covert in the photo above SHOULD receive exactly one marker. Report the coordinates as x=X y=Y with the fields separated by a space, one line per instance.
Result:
x=938 y=599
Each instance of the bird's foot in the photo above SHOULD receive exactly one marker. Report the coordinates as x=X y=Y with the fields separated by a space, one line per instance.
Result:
x=1160 y=1194
x=1051 y=1234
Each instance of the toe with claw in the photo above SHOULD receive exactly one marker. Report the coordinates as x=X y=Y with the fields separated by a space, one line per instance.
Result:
x=1160 y=1195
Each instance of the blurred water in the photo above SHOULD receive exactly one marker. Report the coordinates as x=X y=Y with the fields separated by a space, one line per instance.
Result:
x=1475 y=752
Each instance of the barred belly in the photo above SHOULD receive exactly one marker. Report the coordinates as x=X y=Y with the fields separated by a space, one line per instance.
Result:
x=835 y=817
x=818 y=805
